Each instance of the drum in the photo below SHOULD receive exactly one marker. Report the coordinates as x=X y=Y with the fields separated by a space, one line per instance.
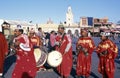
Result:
x=40 y=57
x=54 y=58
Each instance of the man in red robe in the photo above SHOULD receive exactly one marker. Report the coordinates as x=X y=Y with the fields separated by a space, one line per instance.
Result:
x=107 y=52
x=3 y=49
x=85 y=47
x=25 y=66
x=63 y=45
x=35 y=40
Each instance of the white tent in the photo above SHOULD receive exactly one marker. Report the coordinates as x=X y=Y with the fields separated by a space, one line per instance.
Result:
x=16 y=22
x=1 y=22
x=12 y=24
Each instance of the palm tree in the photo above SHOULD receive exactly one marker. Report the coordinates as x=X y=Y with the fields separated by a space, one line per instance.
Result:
x=118 y=23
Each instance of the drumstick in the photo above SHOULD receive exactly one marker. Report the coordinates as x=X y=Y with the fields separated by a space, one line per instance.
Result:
x=60 y=57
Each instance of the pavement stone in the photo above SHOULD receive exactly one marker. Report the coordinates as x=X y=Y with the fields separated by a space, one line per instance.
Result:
x=94 y=70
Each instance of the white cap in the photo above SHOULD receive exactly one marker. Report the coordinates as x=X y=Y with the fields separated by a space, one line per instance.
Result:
x=105 y=33
x=1 y=22
x=19 y=26
x=32 y=30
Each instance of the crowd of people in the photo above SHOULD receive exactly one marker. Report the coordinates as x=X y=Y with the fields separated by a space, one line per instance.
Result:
x=79 y=45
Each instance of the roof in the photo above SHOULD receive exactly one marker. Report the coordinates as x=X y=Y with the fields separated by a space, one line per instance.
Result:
x=17 y=22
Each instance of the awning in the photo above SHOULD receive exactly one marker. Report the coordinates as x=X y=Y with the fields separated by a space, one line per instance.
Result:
x=15 y=22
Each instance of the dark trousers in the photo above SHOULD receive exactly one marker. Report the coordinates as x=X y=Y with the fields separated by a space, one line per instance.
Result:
x=8 y=62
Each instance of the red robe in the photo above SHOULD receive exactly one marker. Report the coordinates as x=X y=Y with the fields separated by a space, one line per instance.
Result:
x=3 y=50
x=35 y=40
x=84 y=62
x=65 y=67
x=106 y=62
x=25 y=64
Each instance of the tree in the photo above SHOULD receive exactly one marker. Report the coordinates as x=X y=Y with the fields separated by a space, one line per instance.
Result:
x=118 y=23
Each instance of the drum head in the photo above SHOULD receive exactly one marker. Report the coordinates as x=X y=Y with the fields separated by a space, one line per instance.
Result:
x=54 y=58
x=37 y=54
x=42 y=59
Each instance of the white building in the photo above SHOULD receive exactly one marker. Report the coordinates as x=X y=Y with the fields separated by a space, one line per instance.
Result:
x=48 y=27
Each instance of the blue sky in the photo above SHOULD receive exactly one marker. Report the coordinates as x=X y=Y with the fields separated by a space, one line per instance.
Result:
x=39 y=11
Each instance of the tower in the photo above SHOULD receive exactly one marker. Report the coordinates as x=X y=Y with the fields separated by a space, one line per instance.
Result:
x=69 y=16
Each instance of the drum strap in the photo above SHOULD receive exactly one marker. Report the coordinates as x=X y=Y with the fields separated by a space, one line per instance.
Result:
x=62 y=39
x=63 y=36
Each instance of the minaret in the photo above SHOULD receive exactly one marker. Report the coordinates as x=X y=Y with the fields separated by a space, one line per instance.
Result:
x=69 y=16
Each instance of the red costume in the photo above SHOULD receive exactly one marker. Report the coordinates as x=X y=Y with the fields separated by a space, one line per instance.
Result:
x=107 y=52
x=3 y=50
x=35 y=40
x=84 y=59
x=65 y=48
x=25 y=64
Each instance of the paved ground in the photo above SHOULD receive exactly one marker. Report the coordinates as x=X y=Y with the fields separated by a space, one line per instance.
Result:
x=94 y=71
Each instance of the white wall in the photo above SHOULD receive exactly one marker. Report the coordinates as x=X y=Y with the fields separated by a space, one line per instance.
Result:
x=72 y=29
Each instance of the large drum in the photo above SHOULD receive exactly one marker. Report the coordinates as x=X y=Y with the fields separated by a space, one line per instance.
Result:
x=54 y=58
x=40 y=57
